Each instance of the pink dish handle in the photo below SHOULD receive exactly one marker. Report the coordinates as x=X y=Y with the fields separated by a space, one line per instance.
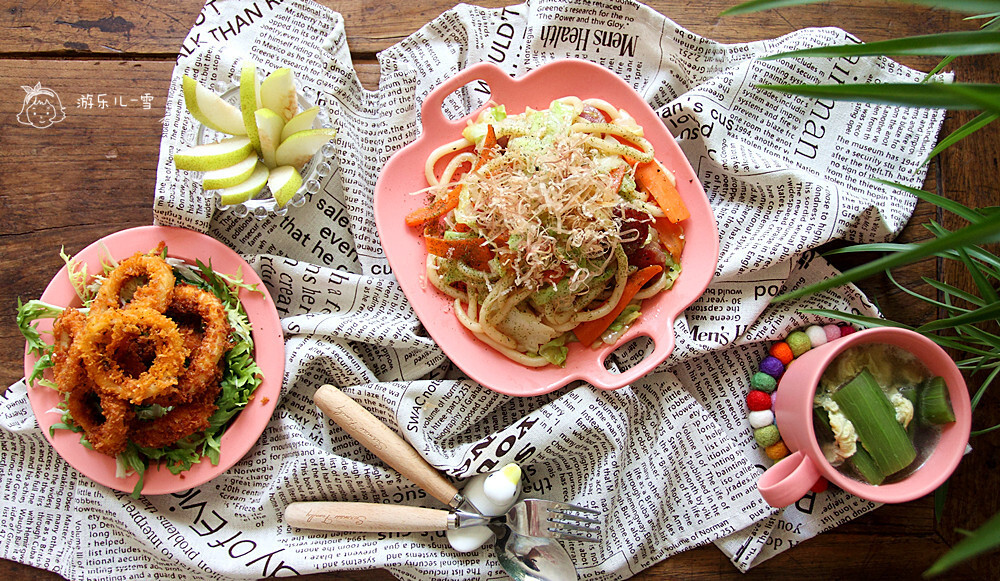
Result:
x=601 y=378
x=788 y=481
x=498 y=80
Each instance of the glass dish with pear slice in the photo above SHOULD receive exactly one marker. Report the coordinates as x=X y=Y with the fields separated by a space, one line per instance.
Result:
x=262 y=146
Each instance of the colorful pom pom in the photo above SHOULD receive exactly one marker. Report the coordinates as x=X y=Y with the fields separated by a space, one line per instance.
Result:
x=816 y=334
x=777 y=450
x=772 y=366
x=832 y=332
x=766 y=436
x=782 y=352
x=759 y=419
x=798 y=342
x=763 y=382
x=758 y=400
x=846 y=330
x=821 y=485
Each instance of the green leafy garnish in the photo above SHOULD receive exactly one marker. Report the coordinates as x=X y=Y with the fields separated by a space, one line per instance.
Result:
x=28 y=315
x=555 y=351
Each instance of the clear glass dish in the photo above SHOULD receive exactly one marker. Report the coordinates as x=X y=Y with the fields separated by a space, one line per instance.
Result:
x=263 y=204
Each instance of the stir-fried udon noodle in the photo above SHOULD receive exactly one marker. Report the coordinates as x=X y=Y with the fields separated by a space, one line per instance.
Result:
x=550 y=226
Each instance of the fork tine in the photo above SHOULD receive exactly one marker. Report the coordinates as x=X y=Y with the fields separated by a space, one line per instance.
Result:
x=549 y=518
x=556 y=534
x=563 y=526
x=572 y=517
x=564 y=506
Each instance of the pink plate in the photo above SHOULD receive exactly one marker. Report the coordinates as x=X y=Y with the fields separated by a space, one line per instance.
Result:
x=404 y=174
x=268 y=345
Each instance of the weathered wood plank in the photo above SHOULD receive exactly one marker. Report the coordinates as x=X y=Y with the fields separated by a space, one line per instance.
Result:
x=93 y=174
x=152 y=28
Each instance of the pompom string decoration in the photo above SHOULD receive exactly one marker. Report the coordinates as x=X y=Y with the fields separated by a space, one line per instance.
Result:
x=764 y=385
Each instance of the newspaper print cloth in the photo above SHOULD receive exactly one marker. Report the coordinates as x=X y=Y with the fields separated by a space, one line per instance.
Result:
x=670 y=460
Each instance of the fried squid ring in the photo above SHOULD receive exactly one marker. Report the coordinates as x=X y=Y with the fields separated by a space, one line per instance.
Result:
x=108 y=333
x=105 y=419
x=154 y=293
x=67 y=366
x=181 y=421
x=199 y=313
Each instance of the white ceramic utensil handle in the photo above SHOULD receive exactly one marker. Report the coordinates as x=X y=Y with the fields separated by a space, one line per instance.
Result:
x=365 y=517
x=385 y=443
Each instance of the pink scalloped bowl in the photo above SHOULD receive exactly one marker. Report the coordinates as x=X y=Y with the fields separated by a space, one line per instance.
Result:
x=269 y=353
x=404 y=174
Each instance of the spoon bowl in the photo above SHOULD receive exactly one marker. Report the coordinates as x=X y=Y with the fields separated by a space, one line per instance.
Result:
x=532 y=558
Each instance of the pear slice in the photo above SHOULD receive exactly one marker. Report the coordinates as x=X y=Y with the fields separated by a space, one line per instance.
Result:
x=210 y=156
x=300 y=122
x=210 y=110
x=277 y=93
x=283 y=182
x=250 y=101
x=301 y=146
x=269 y=126
x=246 y=189
x=230 y=176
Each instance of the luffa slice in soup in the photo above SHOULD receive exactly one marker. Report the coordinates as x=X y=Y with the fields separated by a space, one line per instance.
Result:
x=877 y=412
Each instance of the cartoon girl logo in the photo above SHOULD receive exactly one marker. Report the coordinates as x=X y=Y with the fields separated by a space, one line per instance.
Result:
x=42 y=107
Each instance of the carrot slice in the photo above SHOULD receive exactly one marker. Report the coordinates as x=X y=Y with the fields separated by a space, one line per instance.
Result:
x=652 y=177
x=489 y=148
x=671 y=235
x=617 y=175
x=441 y=206
x=589 y=331
x=468 y=250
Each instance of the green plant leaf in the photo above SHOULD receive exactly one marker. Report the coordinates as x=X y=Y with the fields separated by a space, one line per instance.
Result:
x=987 y=313
x=964 y=6
x=961 y=43
x=985 y=96
x=954 y=291
x=940 y=495
x=982 y=388
x=977 y=123
x=981 y=337
x=978 y=277
x=993 y=428
x=985 y=231
x=872 y=247
x=988 y=260
x=931 y=95
x=985 y=538
x=937 y=69
x=952 y=206
x=861 y=320
x=917 y=295
x=761 y=5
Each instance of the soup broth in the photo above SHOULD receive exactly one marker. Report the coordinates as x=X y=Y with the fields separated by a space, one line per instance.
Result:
x=901 y=376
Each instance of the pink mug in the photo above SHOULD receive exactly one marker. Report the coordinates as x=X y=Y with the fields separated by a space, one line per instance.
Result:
x=791 y=478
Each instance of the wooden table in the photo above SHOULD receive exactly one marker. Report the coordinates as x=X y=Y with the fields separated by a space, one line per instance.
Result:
x=93 y=173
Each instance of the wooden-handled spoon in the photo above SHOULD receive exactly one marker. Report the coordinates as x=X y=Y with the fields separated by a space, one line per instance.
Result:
x=385 y=443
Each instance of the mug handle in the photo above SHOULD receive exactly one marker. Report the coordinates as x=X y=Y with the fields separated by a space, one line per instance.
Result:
x=789 y=480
